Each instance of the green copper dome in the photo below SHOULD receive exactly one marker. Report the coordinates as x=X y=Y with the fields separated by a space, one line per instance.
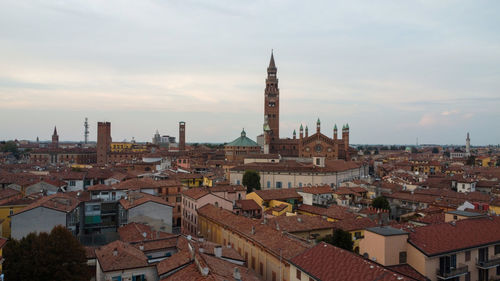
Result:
x=242 y=141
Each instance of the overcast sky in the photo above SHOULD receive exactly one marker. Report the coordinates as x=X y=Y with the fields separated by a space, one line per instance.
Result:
x=394 y=70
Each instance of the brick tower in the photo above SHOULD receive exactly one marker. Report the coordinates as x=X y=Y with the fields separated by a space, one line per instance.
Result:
x=272 y=101
x=103 y=142
x=55 y=139
x=182 y=135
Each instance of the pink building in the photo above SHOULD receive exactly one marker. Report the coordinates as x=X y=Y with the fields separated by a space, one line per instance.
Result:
x=194 y=198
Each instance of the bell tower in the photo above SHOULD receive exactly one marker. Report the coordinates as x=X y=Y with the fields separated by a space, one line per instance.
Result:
x=271 y=101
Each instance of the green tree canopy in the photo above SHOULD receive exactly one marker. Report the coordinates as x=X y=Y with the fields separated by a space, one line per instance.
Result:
x=251 y=180
x=435 y=150
x=10 y=146
x=381 y=203
x=57 y=255
x=340 y=238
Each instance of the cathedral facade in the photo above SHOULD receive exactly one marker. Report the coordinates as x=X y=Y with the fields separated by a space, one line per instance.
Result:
x=314 y=145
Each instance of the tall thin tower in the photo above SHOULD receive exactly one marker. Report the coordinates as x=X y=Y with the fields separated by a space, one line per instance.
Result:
x=467 y=145
x=86 y=132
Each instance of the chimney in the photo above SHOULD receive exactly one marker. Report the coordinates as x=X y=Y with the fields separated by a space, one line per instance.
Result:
x=277 y=226
x=204 y=271
x=236 y=274
x=141 y=247
x=253 y=230
x=218 y=251
x=115 y=252
x=144 y=234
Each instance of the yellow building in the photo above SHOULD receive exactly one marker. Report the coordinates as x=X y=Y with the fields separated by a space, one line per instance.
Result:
x=272 y=198
x=128 y=146
x=8 y=209
x=266 y=250
x=3 y=241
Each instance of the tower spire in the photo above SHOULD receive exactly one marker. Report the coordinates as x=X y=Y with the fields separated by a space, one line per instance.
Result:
x=271 y=62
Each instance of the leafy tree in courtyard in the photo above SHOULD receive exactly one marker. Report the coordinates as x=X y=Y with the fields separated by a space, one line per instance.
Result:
x=57 y=255
x=340 y=238
x=381 y=203
x=435 y=150
x=251 y=179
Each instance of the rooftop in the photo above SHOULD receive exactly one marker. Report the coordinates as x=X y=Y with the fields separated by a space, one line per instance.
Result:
x=441 y=238
x=386 y=230
x=326 y=262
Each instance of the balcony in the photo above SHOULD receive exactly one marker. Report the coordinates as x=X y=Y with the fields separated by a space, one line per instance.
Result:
x=490 y=263
x=452 y=272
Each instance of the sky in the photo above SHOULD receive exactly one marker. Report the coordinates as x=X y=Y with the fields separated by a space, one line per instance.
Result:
x=396 y=71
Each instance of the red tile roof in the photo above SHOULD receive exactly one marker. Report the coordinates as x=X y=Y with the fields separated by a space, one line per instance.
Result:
x=278 y=194
x=273 y=240
x=409 y=271
x=248 y=205
x=227 y=188
x=326 y=262
x=354 y=224
x=136 y=232
x=324 y=189
x=195 y=192
x=299 y=223
x=334 y=211
x=175 y=261
x=64 y=202
x=441 y=238
x=119 y=255
x=138 y=198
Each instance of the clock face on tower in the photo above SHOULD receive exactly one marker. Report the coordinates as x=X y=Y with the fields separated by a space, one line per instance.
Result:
x=318 y=148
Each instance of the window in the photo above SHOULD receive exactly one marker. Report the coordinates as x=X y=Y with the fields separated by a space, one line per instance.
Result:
x=178 y=199
x=261 y=269
x=467 y=276
x=116 y=278
x=138 y=277
x=467 y=255
x=402 y=257
x=300 y=184
x=238 y=182
x=497 y=249
x=289 y=185
x=298 y=274
x=268 y=184
x=279 y=184
x=498 y=270
x=11 y=211
x=253 y=263
x=274 y=276
x=72 y=183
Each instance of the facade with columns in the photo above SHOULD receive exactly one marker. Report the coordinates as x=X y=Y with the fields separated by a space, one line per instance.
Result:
x=315 y=145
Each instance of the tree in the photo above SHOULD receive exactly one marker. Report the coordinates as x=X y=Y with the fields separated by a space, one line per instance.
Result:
x=11 y=147
x=435 y=150
x=340 y=238
x=471 y=160
x=251 y=180
x=381 y=203
x=414 y=149
x=57 y=255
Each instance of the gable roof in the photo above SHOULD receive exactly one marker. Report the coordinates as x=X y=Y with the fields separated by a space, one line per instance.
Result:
x=441 y=238
x=119 y=255
x=138 y=198
x=63 y=202
x=326 y=262
x=138 y=232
